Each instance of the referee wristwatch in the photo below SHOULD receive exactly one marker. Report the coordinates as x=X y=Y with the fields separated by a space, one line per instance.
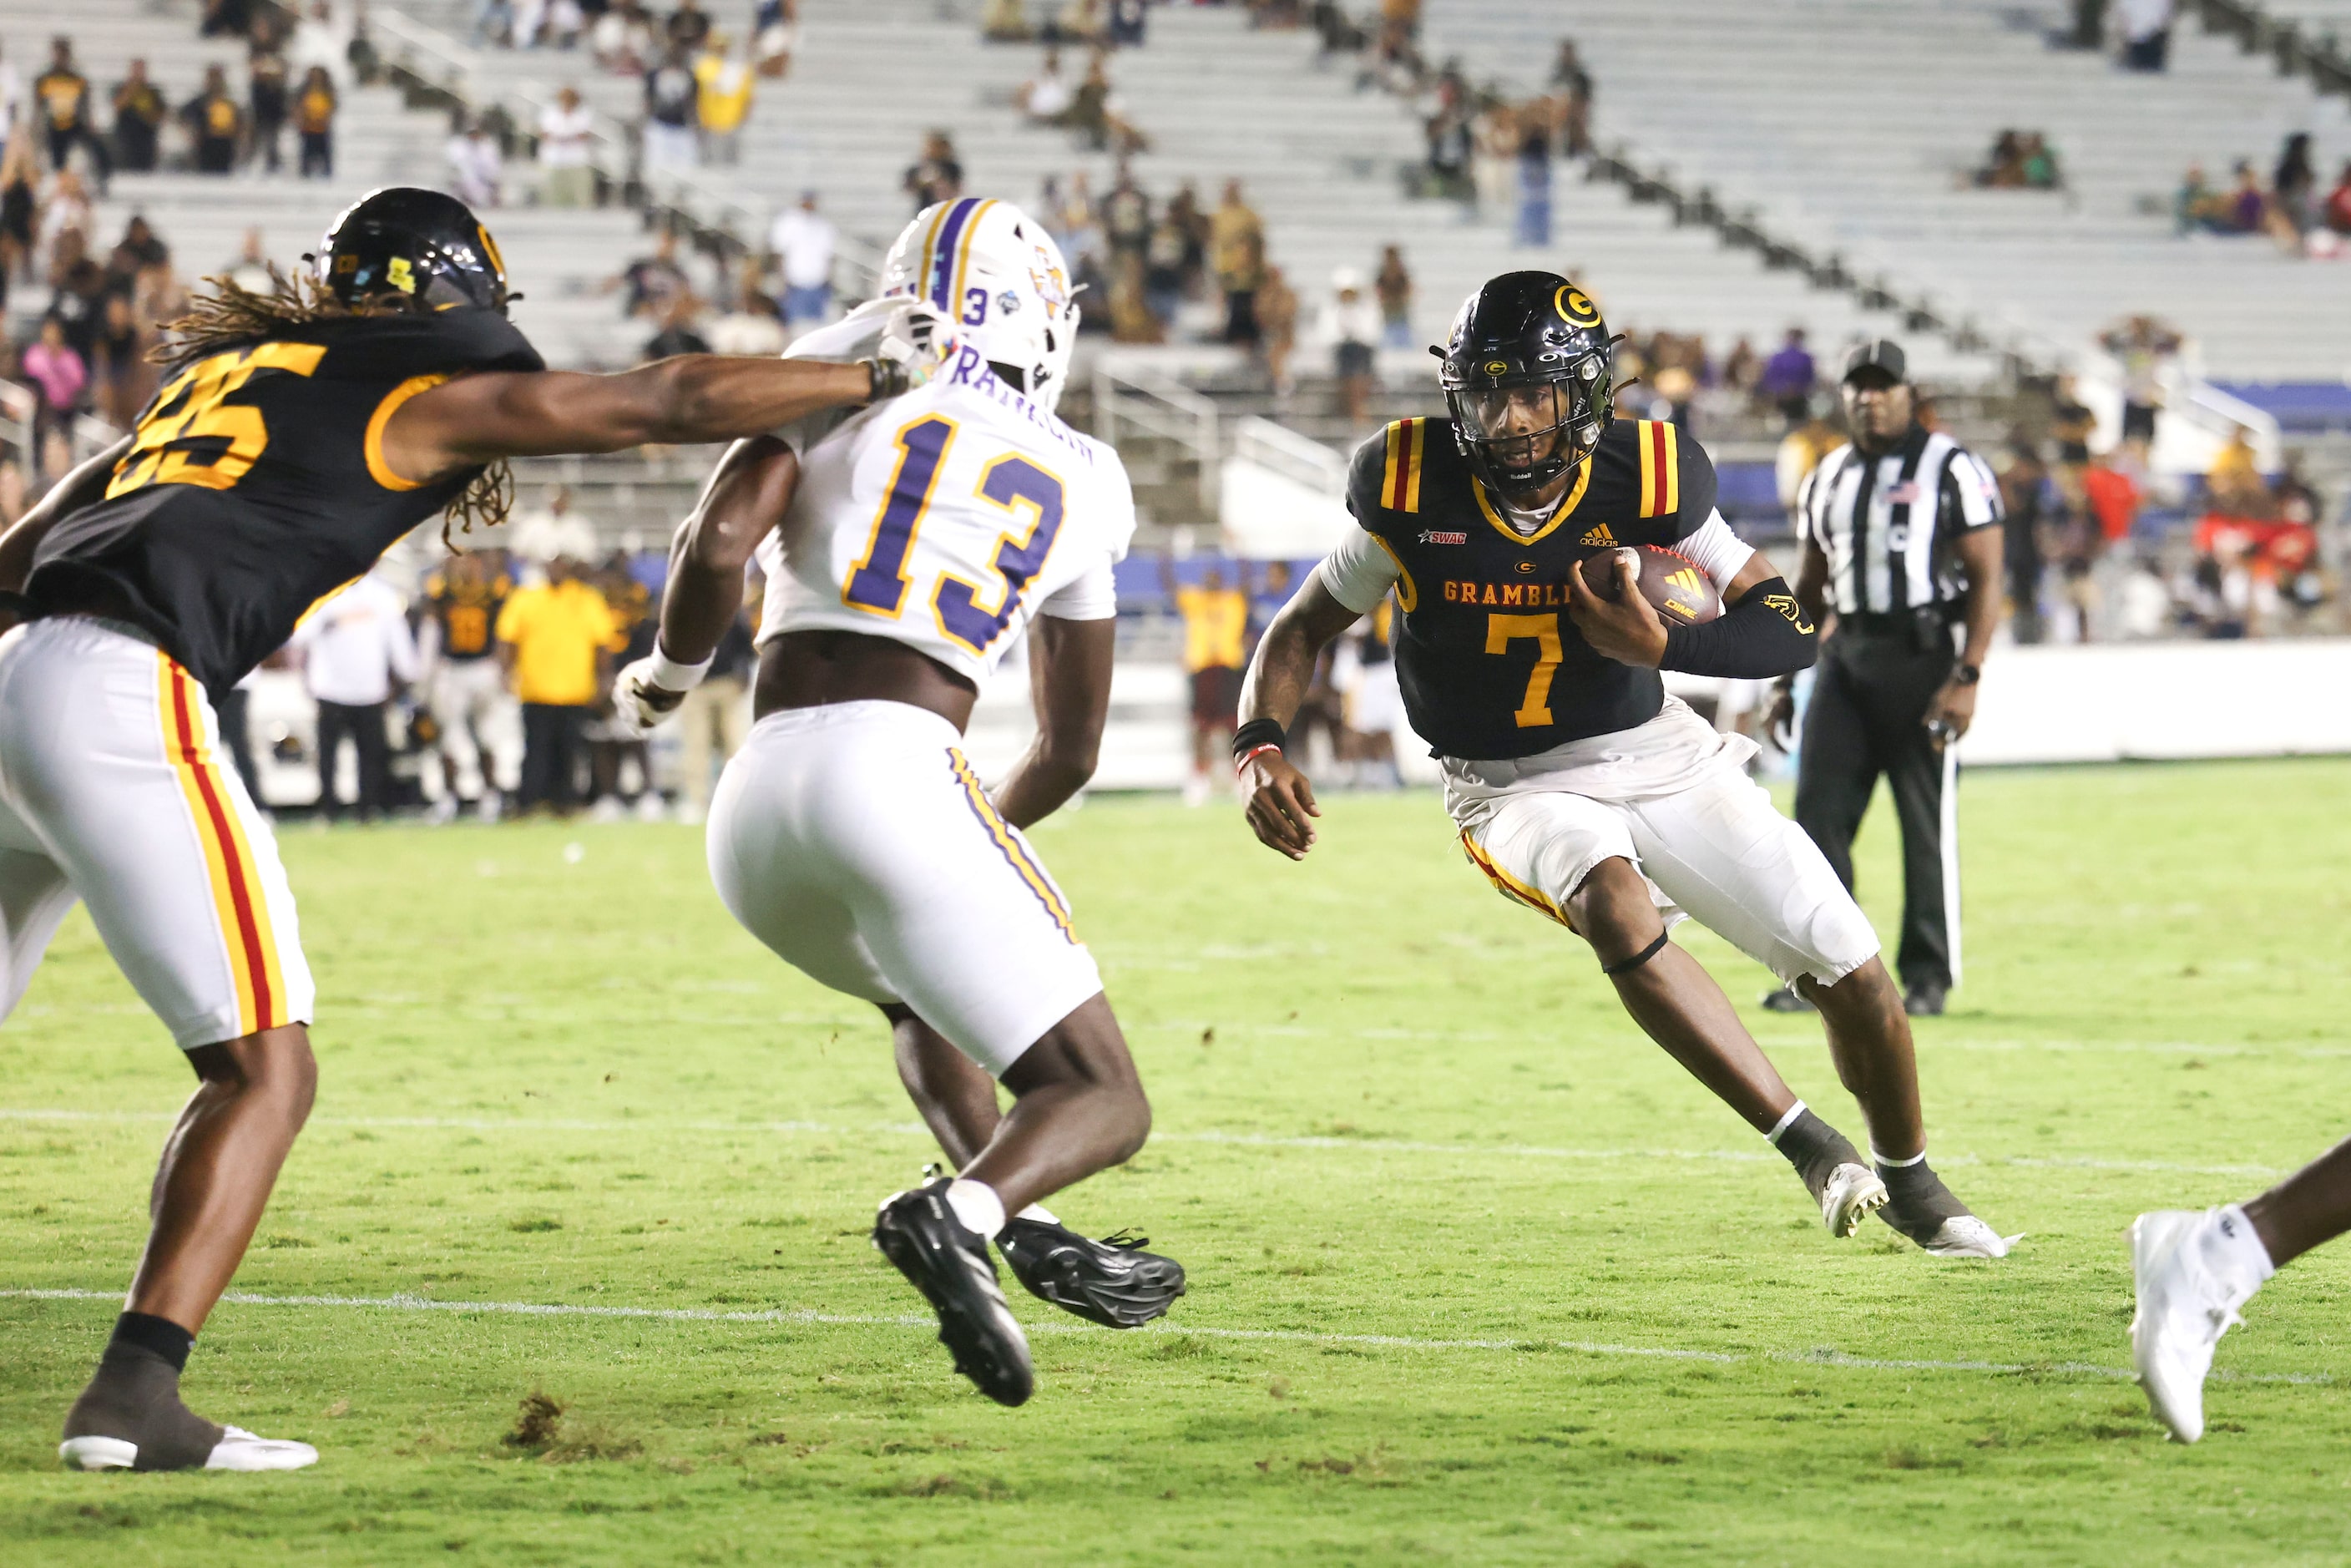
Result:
x=1967 y=675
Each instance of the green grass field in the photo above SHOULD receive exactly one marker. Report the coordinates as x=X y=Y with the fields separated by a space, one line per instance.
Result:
x=1477 y=1275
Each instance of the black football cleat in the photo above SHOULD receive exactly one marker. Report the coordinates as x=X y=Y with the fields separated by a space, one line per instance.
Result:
x=1786 y=1000
x=1924 y=1000
x=949 y=1264
x=1112 y=1282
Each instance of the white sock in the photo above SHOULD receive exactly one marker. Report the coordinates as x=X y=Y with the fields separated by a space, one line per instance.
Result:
x=1898 y=1164
x=1040 y=1212
x=2232 y=1253
x=1783 y=1123
x=976 y=1206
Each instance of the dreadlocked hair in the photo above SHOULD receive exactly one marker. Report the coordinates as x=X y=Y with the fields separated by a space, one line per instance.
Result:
x=224 y=314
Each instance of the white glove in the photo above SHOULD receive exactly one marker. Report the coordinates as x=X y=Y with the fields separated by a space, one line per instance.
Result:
x=640 y=704
x=916 y=336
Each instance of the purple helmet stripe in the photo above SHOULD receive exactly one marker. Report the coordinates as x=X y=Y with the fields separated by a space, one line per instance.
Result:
x=940 y=285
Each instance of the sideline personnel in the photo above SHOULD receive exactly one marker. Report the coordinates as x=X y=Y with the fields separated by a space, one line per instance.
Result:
x=1901 y=541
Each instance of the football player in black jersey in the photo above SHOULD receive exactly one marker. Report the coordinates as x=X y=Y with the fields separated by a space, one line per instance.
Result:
x=1580 y=789
x=299 y=433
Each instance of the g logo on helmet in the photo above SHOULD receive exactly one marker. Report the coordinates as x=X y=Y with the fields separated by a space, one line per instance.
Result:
x=1575 y=306
x=1497 y=367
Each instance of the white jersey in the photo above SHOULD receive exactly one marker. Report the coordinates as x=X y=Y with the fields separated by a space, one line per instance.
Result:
x=945 y=518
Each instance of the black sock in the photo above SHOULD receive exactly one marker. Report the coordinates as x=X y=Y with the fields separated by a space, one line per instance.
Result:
x=1918 y=1203
x=134 y=1396
x=1815 y=1149
x=161 y=1335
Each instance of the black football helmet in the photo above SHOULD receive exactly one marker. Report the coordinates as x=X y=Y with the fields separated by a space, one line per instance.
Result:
x=1529 y=377
x=422 y=243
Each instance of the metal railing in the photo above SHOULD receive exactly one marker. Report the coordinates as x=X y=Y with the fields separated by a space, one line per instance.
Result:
x=1163 y=406
x=1290 y=455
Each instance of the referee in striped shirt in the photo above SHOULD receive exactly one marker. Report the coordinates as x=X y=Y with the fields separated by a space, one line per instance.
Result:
x=1902 y=546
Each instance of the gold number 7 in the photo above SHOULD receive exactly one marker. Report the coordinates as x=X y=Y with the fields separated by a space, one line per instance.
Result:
x=1501 y=631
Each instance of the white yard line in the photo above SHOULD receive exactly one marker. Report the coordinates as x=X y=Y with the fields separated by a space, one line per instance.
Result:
x=1820 y=1356
x=1210 y=1136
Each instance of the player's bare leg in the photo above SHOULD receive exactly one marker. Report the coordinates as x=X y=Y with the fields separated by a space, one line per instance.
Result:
x=1111 y=1282
x=218 y=1168
x=1869 y=1040
x=2194 y=1270
x=1677 y=1004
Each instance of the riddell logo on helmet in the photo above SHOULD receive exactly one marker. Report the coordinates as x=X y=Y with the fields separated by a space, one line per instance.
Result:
x=1442 y=537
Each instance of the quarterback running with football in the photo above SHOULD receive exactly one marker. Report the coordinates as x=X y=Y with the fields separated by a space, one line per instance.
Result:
x=906 y=547
x=299 y=432
x=1580 y=789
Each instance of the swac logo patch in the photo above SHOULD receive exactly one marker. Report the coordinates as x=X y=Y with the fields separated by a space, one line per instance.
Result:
x=1435 y=537
x=1598 y=535
x=1575 y=306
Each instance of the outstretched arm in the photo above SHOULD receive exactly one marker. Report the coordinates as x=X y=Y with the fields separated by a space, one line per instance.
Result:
x=746 y=496
x=1069 y=677
x=77 y=489
x=691 y=398
x=1281 y=800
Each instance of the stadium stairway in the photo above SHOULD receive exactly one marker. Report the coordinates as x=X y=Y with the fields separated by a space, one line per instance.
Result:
x=1852 y=125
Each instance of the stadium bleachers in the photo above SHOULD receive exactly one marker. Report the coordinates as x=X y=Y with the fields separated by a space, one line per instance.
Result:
x=1853 y=123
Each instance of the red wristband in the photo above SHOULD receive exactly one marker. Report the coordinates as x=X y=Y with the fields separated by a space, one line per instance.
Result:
x=1240 y=763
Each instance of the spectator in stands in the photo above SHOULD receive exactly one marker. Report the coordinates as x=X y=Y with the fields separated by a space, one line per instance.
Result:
x=2040 y=164
x=357 y=654
x=216 y=124
x=2338 y=202
x=537 y=21
x=1183 y=214
x=1276 y=319
x=136 y=250
x=677 y=335
x=567 y=130
x=801 y=244
x=723 y=101
x=553 y=528
x=752 y=326
x=1091 y=109
x=688 y=29
x=555 y=642
x=1452 y=146
x=775 y=34
x=2293 y=184
x=493 y=22
x=2247 y=208
x=1163 y=269
x=1789 y=377
x=2145 y=29
x=2071 y=422
x=651 y=284
x=1801 y=451
x=2197 y=207
x=11 y=91
x=1045 y=97
x=1126 y=225
x=1350 y=323
x=1237 y=255
x=250 y=270
x=476 y=169
x=226 y=19
x=78 y=295
x=2234 y=481
x=1125 y=23
x=139 y=115
x=60 y=379
x=1077 y=21
x=1742 y=369
x=19 y=186
x=1005 y=22
x=672 y=94
x=622 y=38
x=119 y=361
x=266 y=91
x=314 y=123
x=1573 y=85
x=2004 y=169
x=63 y=93
x=1533 y=227
x=936 y=176
x=1392 y=285
x=67 y=212
x=2025 y=490
x=319 y=40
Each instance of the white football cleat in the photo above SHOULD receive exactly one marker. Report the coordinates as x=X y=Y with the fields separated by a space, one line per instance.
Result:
x=2183 y=1312
x=1851 y=1194
x=238 y=1450
x=1965 y=1236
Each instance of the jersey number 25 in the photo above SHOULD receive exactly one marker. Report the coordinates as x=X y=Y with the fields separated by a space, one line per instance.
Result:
x=879 y=581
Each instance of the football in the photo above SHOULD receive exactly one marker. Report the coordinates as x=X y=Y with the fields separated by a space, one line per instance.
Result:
x=1675 y=588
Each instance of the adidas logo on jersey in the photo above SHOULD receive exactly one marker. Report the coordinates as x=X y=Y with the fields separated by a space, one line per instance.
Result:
x=1599 y=535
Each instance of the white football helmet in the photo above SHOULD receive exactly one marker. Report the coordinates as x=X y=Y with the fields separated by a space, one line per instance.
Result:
x=995 y=273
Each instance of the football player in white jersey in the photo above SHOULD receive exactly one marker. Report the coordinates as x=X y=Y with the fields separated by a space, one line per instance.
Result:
x=906 y=549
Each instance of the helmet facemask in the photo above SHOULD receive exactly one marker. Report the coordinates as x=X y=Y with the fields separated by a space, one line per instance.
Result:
x=1522 y=436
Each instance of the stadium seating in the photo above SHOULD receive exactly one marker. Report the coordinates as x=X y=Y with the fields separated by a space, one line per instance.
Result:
x=1852 y=124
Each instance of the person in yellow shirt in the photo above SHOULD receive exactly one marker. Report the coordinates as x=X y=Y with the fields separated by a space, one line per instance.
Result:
x=723 y=99
x=556 y=643
x=2234 y=480
x=1216 y=633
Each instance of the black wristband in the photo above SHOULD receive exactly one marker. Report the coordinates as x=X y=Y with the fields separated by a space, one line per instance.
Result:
x=1257 y=732
x=888 y=378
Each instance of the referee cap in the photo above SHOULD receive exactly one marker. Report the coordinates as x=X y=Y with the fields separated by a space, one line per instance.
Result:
x=1877 y=354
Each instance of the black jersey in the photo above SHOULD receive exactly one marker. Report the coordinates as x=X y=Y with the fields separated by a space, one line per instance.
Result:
x=256 y=484
x=467 y=614
x=1489 y=663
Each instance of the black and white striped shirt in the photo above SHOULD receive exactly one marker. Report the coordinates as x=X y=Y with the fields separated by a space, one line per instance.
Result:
x=1890 y=525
